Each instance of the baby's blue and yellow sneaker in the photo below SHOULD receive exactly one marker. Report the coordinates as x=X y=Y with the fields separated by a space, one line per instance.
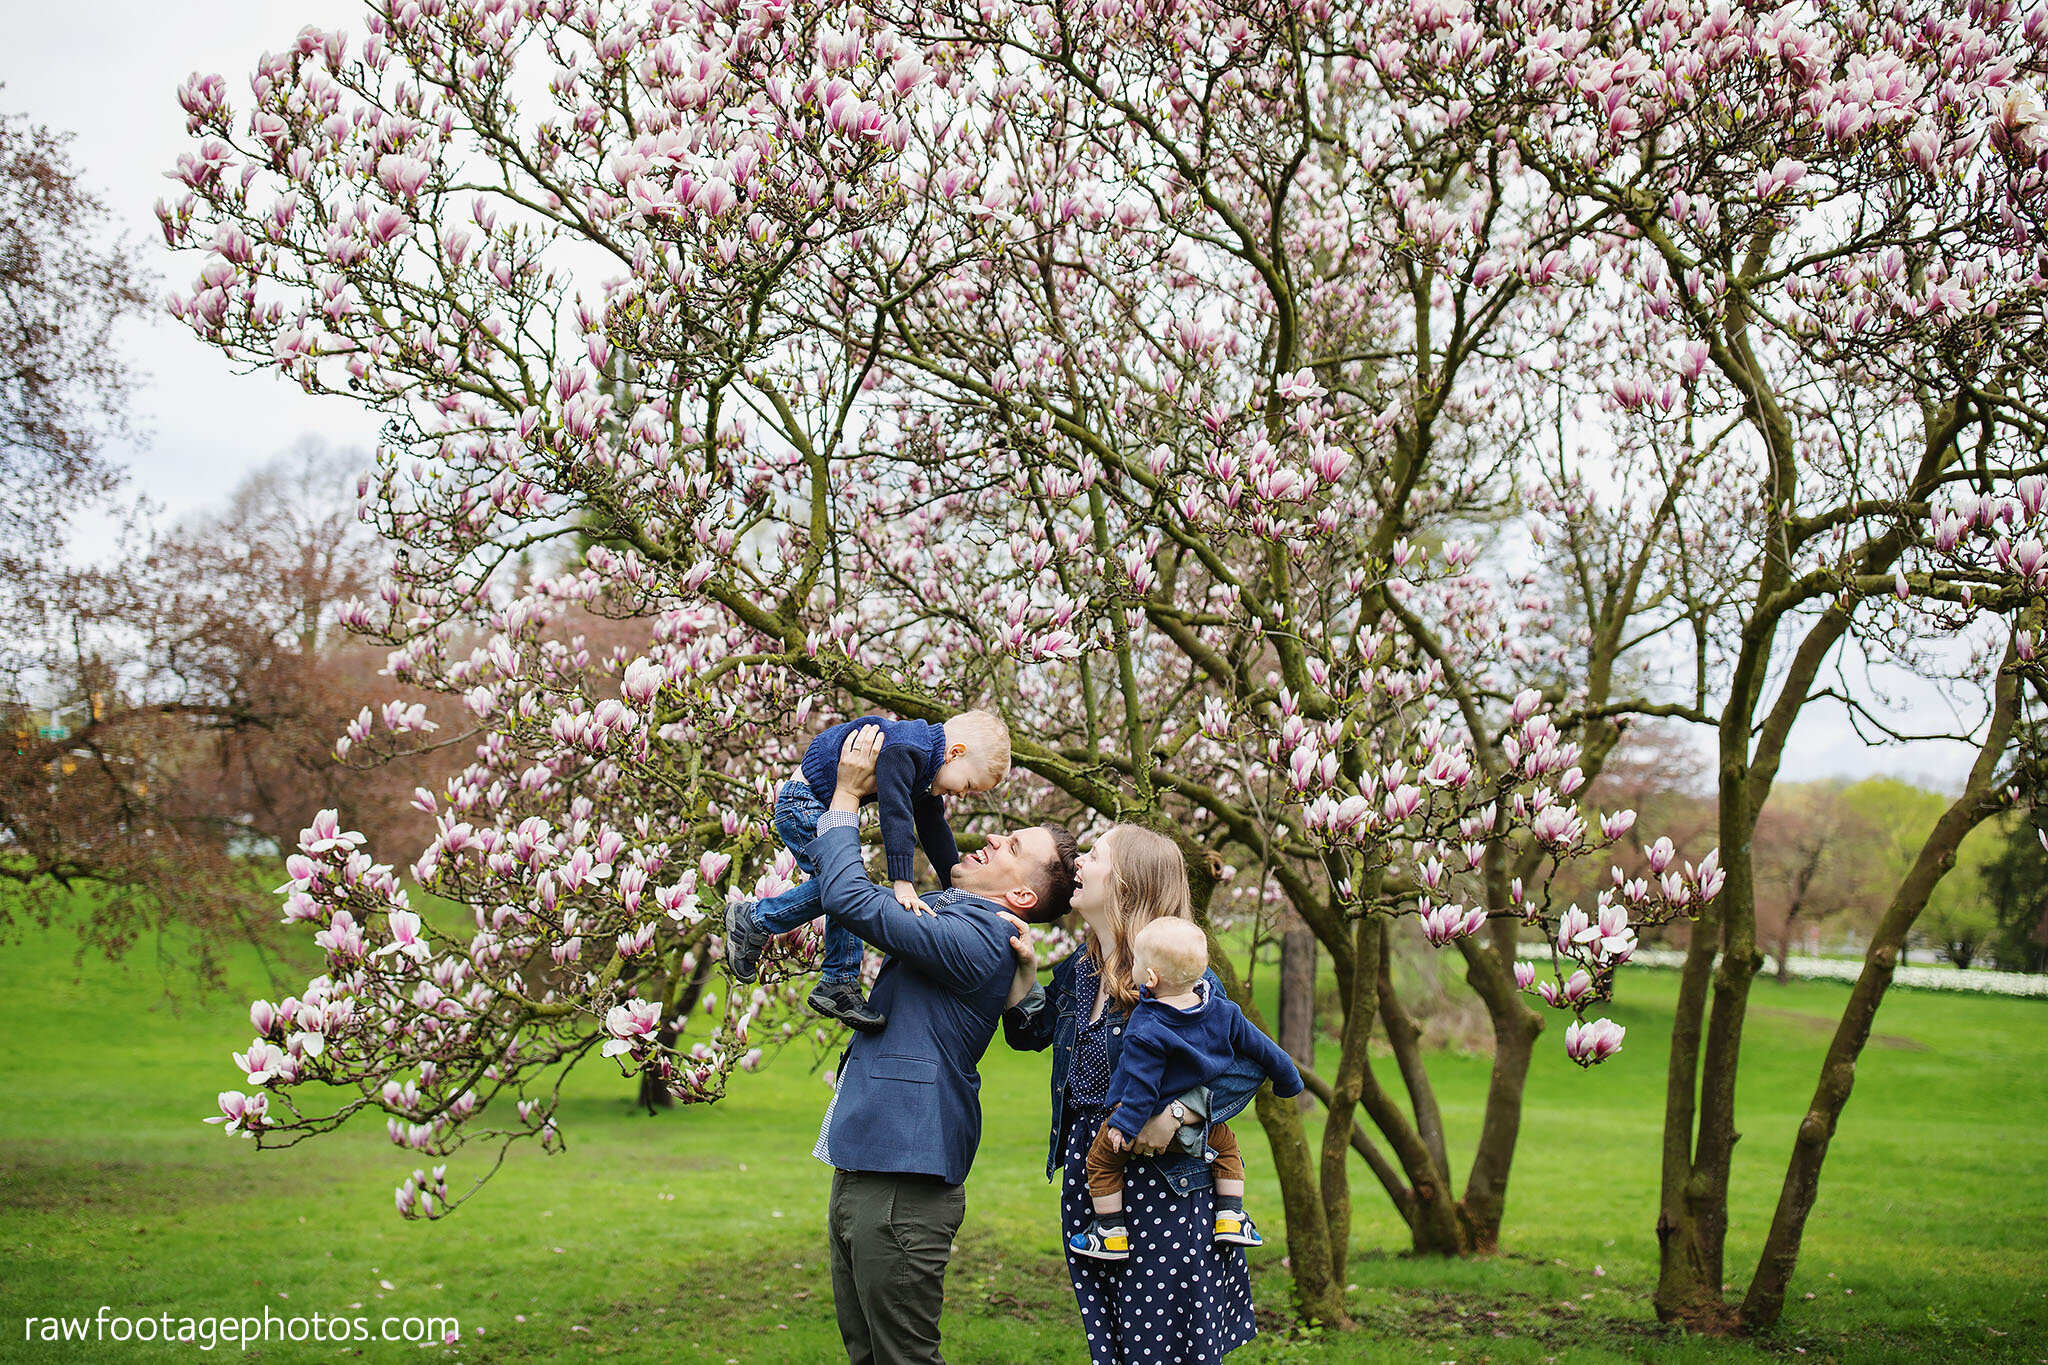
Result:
x=1235 y=1227
x=1103 y=1241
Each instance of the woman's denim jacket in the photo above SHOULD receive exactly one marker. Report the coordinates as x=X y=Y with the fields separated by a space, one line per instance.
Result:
x=1052 y=1017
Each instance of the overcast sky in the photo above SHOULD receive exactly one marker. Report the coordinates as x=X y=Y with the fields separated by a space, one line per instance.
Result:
x=108 y=71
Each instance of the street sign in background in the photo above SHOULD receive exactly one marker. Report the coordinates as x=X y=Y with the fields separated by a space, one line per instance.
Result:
x=54 y=731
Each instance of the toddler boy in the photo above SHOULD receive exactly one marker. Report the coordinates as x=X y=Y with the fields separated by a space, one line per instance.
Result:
x=1180 y=1035
x=919 y=766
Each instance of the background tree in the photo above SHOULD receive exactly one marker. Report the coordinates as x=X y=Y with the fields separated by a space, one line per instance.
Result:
x=1798 y=227
x=247 y=623
x=1897 y=818
x=205 y=681
x=2014 y=879
x=1814 y=854
x=63 y=392
x=63 y=387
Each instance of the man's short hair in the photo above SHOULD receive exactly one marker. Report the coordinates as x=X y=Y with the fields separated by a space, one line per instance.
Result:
x=1056 y=879
x=1175 y=948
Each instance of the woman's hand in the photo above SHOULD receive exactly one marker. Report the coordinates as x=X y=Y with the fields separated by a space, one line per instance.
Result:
x=857 y=767
x=1154 y=1137
x=1027 y=960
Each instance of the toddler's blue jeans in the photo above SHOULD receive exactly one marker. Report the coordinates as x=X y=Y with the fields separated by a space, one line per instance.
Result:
x=797 y=809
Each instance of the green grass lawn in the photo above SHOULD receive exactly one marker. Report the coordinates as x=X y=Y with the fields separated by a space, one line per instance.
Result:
x=698 y=1235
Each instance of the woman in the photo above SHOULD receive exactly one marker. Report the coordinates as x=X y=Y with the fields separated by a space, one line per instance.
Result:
x=1180 y=1297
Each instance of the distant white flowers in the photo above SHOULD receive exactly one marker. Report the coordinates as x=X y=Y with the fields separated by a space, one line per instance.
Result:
x=1975 y=981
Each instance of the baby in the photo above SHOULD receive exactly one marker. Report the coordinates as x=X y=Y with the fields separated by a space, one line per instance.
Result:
x=1180 y=1035
x=919 y=766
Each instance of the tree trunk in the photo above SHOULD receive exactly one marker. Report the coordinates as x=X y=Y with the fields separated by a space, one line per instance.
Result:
x=1388 y=1174
x=1686 y=1290
x=1809 y=868
x=1298 y=996
x=1435 y=1227
x=1718 y=1074
x=1318 y=1292
x=1368 y=946
x=1692 y=1224
x=654 y=1096
x=1765 y=1302
x=1404 y=1037
x=1515 y=1030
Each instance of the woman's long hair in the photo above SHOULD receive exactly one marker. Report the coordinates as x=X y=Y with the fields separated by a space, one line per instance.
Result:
x=1148 y=881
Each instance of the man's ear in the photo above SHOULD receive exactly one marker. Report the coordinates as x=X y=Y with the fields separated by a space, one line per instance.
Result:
x=1021 y=898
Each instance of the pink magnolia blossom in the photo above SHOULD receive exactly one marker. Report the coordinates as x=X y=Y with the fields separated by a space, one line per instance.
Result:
x=401 y=175
x=1591 y=1044
x=265 y=1063
x=1301 y=386
x=343 y=937
x=1446 y=922
x=630 y=1023
x=406 y=937
x=325 y=834
x=241 y=1113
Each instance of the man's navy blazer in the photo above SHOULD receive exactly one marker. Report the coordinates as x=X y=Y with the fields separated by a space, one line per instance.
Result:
x=910 y=1096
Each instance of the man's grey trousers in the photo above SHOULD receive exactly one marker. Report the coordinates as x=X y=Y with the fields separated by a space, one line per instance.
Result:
x=892 y=1235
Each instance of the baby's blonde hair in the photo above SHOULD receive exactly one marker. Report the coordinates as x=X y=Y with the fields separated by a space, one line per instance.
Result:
x=987 y=739
x=1175 y=948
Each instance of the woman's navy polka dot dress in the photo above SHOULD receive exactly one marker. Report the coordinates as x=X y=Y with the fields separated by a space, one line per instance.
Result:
x=1180 y=1299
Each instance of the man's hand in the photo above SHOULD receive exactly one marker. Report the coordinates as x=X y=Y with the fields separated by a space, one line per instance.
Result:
x=1153 y=1138
x=906 y=896
x=857 y=767
x=1027 y=960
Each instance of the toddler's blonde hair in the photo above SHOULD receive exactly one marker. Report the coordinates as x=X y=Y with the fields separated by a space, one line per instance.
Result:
x=1175 y=948
x=987 y=739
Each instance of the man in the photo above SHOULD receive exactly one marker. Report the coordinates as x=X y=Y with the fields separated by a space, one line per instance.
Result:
x=904 y=1122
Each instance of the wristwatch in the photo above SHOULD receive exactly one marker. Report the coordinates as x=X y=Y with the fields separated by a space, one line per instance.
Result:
x=1179 y=1111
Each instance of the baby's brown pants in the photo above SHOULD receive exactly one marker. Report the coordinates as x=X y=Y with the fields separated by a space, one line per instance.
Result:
x=1106 y=1165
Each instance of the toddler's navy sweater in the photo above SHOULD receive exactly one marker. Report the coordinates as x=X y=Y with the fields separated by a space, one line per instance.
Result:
x=913 y=751
x=1168 y=1052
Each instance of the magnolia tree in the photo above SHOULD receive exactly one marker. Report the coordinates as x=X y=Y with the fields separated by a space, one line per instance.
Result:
x=1816 y=233
x=1264 y=360
x=1127 y=369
